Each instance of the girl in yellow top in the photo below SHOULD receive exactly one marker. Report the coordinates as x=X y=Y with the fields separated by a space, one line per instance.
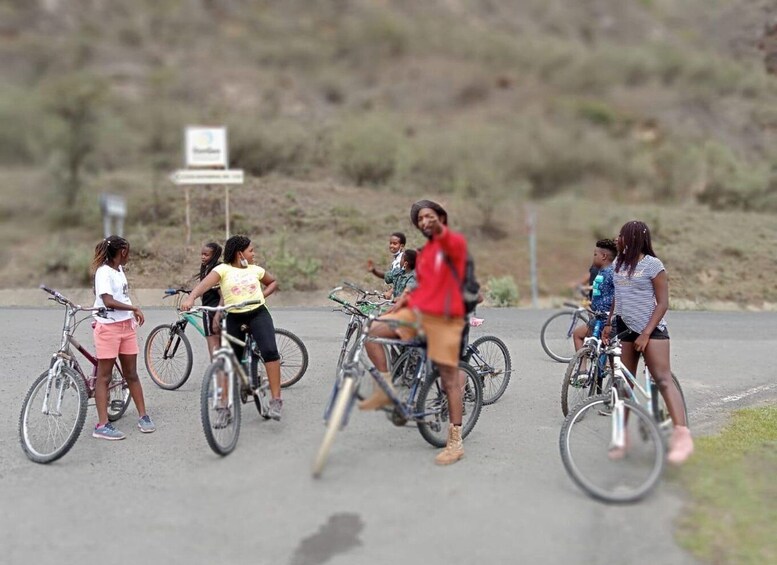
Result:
x=240 y=280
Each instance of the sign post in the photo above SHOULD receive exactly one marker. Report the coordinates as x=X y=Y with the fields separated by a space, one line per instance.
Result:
x=531 y=226
x=207 y=162
x=114 y=208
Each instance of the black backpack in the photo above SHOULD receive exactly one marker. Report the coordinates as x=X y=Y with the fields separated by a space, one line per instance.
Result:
x=469 y=285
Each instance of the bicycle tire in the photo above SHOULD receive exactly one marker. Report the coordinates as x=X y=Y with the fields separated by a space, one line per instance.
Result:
x=39 y=453
x=555 y=344
x=208 y=426
x=168 y=372
x=495 y=375
x=118 y=394
x=343 y=401
x=661 y=411
x=572 y=395
x=585 y=456
x=432 y=390
x=294 y=357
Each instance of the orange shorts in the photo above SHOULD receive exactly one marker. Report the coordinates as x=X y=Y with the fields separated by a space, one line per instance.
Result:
x=443 y=334
x=118 y=338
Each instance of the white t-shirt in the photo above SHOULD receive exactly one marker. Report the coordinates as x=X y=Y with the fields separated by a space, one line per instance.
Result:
x=108 y=280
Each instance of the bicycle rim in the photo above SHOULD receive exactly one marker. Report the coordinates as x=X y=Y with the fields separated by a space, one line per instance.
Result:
x=433 y=404
x=220 y=419
x=582 y=380
x=585 y=445
x=294 y=357
x=336 y=418
x=491 y=361
x=118 y=395
x=556 y=335
x=168 y=356
x=47 y=437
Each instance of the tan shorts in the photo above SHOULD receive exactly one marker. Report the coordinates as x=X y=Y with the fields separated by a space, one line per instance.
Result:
x=443 y=335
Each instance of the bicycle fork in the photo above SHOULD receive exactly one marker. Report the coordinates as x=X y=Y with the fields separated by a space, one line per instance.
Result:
x=54 y=370
x=617 y=422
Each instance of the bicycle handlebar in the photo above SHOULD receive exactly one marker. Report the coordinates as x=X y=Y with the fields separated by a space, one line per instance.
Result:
x=223 y=308
x=173 y=291
x=101 y=311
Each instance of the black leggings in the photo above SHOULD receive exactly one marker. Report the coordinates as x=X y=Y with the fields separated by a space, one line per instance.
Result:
x=260 y=324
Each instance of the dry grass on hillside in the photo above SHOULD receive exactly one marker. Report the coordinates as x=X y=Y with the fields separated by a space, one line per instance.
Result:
x=315 y=234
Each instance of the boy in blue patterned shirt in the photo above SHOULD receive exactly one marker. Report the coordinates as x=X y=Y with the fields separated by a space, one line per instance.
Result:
x=603 y=288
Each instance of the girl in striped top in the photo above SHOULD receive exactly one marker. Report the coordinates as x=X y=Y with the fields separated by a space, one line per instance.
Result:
x=641 y=300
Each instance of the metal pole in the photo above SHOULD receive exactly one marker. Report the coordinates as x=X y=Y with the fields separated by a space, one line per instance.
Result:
x=226 y=209
x=188 y=224
x=531 y=220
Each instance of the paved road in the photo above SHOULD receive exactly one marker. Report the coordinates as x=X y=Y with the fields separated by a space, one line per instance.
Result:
x=166 y=498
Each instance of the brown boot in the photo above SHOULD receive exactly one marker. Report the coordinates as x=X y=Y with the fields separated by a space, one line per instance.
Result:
x=454 y=450
x=378 y=399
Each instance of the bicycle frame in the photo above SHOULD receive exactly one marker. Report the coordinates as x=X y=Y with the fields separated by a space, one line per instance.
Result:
x=354 y=368
x=65 y=356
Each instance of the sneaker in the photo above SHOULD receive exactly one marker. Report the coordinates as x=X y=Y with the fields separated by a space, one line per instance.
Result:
x=145 y=425
x=223 y=418
x=107 y=432
x=276 y=407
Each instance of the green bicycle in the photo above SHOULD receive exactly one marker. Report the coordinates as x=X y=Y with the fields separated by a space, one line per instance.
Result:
x=168 y=352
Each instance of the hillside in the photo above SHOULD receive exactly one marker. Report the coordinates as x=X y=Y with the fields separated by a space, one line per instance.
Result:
x=344 y=112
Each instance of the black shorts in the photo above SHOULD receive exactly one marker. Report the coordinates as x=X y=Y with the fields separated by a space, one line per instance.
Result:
x=630 y=336
x=207 y=323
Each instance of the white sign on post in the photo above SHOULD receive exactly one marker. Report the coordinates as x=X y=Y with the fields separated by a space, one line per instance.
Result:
x=206 y=147
x=205 y=176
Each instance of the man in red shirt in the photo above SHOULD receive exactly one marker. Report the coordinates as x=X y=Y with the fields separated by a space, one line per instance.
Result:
x=437 y=307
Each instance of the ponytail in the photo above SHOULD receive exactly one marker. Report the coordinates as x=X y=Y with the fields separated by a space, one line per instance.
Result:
x=106 y=250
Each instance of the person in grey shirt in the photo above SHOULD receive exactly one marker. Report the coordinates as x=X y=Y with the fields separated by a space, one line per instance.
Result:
x=641 y=301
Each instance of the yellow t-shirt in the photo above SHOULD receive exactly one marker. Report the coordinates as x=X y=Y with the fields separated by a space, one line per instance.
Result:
x=238 y=285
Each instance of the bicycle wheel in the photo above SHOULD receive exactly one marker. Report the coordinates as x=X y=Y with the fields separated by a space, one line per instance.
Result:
x=220 y=421
x=582 y=380
x=47 y=436
x=404 y=371
x=168 y=356
x=661 y=411
x=118 y=395
x=294 y=357
x=342 y=406
x=601 y=472
x=491 y=360
x=556 y=335
x=433 y=404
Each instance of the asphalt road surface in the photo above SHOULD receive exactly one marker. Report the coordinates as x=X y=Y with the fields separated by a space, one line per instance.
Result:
x=166 y=498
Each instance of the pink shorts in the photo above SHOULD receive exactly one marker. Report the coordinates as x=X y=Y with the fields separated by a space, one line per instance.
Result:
x=118 y=338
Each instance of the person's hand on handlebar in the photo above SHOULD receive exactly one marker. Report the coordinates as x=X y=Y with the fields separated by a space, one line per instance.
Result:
x=187 y=303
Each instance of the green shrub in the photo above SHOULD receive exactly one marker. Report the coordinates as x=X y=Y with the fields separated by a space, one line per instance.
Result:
x=502 y=291
x=366 y=149
x=264 y=147
x=74 y=260
x=298 y=273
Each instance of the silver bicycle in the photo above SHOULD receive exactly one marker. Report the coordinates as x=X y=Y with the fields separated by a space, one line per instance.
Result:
x=613 y=444
x=54 y=409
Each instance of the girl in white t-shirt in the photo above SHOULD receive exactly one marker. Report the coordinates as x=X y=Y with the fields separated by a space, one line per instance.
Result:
x=115 y=336
x=240 y=281
x=641 y=300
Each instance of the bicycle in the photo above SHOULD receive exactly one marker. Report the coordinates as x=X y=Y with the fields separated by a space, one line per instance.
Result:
x=49 y=425
x=632 y=436
x=490 y=359
x=587 y=373
x=229 y=382
x=556 y=332
x=424 y=402
x=366 y=302
x=168 y=352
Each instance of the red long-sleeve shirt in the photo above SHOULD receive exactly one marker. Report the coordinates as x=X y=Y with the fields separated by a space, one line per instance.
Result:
x=437 y=291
